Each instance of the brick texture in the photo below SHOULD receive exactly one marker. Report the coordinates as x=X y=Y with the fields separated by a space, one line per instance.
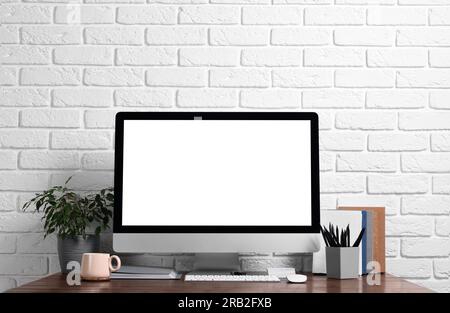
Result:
x=376 y=71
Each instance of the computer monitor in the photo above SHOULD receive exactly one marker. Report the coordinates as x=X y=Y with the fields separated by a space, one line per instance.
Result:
x=216 y=182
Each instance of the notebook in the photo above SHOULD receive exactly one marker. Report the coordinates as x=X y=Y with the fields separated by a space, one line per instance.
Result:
x=377 y=233
x=144 y=272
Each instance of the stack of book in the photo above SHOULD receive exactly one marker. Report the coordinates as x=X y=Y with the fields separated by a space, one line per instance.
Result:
x=372 y=247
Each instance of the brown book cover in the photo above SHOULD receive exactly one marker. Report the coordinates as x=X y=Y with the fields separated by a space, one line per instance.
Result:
x=378 y=235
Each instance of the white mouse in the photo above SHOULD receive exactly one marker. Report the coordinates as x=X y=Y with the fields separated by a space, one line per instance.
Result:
x=296 y=278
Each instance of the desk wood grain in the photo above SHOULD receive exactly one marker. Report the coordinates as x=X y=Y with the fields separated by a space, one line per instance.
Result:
x=320 y=284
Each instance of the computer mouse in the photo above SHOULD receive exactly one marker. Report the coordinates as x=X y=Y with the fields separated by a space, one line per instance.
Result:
x=296 y=278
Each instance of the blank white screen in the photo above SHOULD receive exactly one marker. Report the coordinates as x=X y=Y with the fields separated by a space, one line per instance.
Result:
x=216 y=172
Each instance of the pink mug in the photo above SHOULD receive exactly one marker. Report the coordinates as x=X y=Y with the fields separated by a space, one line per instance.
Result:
x=98 y=266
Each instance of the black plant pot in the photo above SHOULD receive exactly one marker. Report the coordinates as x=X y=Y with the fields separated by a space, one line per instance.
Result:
x=72 y=249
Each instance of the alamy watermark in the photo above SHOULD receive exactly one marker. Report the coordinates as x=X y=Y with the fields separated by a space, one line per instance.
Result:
x=70 y=14
x=73 y=278
x=374 y=276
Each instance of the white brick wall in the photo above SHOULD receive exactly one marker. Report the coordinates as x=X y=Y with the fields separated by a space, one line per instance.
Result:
x=376 y=71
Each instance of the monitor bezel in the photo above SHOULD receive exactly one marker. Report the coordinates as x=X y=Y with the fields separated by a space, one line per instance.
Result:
x=118 y=172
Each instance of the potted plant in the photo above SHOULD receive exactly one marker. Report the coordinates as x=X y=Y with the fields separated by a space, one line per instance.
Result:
x=342 y=258
x=71 y=216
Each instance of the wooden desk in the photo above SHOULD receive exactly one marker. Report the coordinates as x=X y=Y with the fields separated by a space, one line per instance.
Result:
x=319 y=284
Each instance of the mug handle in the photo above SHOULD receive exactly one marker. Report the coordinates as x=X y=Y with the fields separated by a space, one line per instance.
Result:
x=119 y=264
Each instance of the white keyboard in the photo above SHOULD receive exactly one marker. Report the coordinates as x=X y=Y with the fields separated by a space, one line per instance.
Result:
x=248 y=278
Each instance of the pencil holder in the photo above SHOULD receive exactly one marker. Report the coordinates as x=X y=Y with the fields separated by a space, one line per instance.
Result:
x=342 y=262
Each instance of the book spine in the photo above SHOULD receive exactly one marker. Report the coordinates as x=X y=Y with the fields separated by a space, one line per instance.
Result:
x=364 y=243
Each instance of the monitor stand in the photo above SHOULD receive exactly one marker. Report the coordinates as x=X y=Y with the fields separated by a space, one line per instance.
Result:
x=216 y=263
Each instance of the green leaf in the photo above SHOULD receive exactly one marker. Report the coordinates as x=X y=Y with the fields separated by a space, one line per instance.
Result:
x=69 y=213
